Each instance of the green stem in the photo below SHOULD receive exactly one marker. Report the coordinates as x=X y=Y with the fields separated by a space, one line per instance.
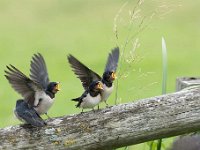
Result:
x=164 y=79
x=151 y=145
x=159 y=144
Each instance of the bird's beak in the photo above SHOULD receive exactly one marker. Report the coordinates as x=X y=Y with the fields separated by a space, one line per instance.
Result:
x=100 y=86
x=57 y=88
x=113 y=75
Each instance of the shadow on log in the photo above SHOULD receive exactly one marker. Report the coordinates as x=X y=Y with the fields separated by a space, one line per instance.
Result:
x=113 y=127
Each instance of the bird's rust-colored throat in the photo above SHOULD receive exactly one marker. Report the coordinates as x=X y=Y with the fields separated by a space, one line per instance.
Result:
x=57 y=87
x=114 y=76
x=100 y=86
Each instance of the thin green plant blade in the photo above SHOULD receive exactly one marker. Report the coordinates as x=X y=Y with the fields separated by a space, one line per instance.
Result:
x=164 y=78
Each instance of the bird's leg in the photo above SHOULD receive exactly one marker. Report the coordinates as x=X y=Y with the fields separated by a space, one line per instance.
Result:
x=106 y=104
x=98 y=107
x=82 y=111
x=48 y=116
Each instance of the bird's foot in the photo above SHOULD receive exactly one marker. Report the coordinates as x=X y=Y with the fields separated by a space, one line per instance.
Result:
x=45 y=123
x=26 y=125
x=82 y=111
x=49 y=118
x=106 y=104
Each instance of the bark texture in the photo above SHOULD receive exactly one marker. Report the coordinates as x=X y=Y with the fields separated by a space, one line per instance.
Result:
x=184 y=82
x=113 y=127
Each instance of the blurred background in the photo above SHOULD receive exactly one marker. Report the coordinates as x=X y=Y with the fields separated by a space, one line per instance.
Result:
x=89 y=29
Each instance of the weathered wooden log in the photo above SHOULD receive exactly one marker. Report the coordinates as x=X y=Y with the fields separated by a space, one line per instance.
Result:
x=113 y=127
x=187 y=142
x=184 y=82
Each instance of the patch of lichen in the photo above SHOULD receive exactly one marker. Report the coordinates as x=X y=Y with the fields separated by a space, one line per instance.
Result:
x=85 y=127
x=12 y=139
x=69 y=142
x=56 y=142
x=58 y=130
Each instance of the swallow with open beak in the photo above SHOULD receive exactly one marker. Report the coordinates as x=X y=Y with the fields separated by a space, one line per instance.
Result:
x=85 y=74
x=38 y=92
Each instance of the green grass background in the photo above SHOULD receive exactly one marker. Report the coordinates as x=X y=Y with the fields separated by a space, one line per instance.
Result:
x=85 y=29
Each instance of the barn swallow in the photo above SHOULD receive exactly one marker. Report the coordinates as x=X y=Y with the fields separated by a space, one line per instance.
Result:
x=38 y=92
x=87 y=75
x=28 y=115
x=91 y=97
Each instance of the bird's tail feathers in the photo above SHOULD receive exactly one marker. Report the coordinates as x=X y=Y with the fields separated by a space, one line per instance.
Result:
x=78 y=105
x=79 y=100
x=76 y=99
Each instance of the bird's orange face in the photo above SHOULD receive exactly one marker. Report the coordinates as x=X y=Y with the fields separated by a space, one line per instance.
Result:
x=109 y=76
x=113 y=76
x=99 y=86
x=56 y=87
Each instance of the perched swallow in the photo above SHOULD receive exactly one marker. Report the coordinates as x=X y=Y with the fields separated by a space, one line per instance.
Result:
x=37 y=91
x=28 y=115
x=91 y=97
x=86 y=75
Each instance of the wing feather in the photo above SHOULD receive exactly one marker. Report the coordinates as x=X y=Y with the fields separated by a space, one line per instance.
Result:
x=38 y=71
x=22 y=84
x=86 y=75
x=112 y=61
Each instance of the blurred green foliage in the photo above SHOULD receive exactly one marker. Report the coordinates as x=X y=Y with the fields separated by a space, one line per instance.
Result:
x=86 y=30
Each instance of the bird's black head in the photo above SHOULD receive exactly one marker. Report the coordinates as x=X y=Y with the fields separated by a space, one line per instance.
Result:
x=20 y=101
x=53 y=87
x=109 y=76
x=96 y=86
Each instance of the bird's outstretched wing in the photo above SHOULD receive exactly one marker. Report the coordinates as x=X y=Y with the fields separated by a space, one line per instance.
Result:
x=86 y=75
x=22 y=84
x=112 y=61
x=38 y=71
x=29 y=115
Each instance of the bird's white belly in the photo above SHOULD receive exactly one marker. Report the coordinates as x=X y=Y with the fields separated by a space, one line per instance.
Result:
x=90 y=102
x=45 y=103
x=106 y=92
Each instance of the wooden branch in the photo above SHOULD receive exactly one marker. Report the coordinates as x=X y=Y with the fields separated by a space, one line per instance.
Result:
x=113 y=127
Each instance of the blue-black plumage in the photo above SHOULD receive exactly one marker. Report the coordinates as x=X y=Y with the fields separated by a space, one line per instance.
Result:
x=87 y=76
x=28 y=115
x=38 y=92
